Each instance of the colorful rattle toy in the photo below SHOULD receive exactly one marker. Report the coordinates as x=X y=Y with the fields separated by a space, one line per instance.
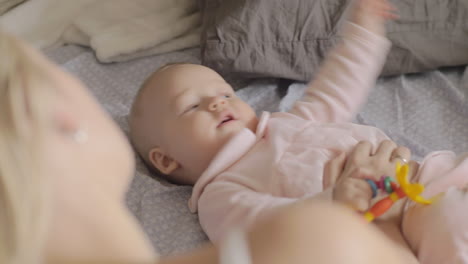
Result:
x=406 y=189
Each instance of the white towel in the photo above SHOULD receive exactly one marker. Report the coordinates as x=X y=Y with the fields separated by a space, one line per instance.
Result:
x=42 y=22
x=117 y=30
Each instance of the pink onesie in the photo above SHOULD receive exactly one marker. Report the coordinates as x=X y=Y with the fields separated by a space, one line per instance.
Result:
x=283 y=161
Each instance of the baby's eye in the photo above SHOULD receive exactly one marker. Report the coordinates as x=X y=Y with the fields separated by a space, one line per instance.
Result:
x=227 y=96
x=192 y=107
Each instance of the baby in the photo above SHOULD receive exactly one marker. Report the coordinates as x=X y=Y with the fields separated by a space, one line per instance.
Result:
x=187 y=123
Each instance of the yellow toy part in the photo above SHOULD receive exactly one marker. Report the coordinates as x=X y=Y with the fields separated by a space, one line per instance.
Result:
x=412 y=190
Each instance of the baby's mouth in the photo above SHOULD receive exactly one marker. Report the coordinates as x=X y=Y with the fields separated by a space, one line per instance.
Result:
x=227 y=119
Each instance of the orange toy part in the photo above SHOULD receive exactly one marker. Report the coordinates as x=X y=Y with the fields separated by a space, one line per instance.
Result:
x=381 y=207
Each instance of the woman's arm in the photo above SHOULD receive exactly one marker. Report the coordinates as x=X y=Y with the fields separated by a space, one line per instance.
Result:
x=308 y=232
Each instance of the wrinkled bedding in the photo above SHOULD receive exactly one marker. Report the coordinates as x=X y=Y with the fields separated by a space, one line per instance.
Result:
x=289 y=39
x=6 y=5
x=427 y=111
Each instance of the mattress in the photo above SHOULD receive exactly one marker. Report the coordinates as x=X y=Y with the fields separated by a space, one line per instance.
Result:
x=425 y=112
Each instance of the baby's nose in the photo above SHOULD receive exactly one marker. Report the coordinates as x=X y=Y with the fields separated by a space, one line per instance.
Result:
x=218 y=104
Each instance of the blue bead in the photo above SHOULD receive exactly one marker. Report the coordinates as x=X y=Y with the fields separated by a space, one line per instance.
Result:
x=373 y=187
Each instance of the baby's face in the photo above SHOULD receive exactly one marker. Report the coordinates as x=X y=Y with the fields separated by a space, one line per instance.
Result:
x=199 y=113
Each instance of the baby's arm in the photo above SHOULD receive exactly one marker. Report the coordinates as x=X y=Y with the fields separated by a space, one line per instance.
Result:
x=351 y=68
x=224 y=205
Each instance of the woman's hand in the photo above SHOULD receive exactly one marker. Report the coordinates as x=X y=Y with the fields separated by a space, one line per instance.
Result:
x=353 y=192
x=364 y=163
x=347 y=174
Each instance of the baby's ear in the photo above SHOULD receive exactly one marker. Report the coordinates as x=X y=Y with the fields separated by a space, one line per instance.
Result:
x=162 y=161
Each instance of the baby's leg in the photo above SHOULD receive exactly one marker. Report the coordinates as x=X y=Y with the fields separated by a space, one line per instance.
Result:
x=315 y=232
x=438 y=233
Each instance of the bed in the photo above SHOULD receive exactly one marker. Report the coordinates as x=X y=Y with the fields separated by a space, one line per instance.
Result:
x=420 y=103
x=425 y=111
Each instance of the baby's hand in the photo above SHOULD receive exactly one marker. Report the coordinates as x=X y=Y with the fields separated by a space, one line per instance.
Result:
x=353 y=192
x=372 y=14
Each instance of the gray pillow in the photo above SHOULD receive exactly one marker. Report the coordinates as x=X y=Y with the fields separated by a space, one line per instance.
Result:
x=6 y=5
x=289 y=38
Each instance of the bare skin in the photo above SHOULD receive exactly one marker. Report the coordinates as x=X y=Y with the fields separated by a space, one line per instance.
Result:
x=296 y=234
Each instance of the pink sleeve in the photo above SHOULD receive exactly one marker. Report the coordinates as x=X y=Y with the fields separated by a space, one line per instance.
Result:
x=346 y=77
x=225 y=205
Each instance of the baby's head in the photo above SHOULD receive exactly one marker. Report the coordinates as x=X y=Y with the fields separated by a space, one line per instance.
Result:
x=182 y=116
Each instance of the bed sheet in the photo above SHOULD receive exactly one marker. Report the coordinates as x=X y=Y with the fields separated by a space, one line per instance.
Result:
x=426 y=112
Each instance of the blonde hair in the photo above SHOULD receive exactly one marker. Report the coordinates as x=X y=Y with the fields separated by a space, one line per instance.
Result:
x=24 y=95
